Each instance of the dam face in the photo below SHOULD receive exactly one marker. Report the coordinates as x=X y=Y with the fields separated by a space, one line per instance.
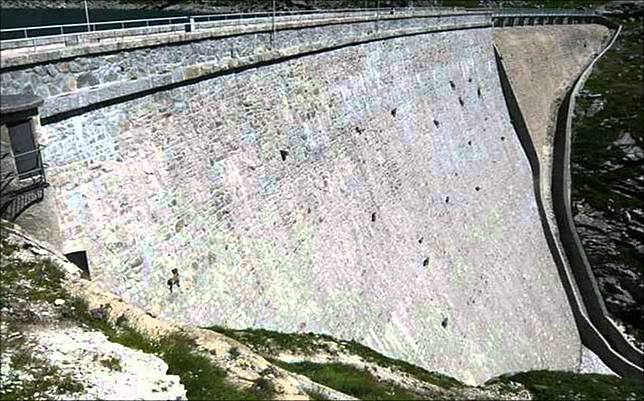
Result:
x=374 y=192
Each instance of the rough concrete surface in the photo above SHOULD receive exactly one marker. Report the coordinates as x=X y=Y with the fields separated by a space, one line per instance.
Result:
x=542 y=63
x=358 y=192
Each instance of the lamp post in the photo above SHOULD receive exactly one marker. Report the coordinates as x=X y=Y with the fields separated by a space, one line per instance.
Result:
x=87 y=16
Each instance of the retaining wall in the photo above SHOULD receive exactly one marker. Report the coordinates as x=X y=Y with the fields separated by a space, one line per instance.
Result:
x=543 y=96
x=564 y=52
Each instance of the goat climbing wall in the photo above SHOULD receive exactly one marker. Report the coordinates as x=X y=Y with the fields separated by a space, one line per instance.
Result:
x=374 y=192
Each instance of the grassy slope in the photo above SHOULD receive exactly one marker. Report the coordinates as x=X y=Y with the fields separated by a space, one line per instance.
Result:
x=548 y=385
x=350 y=380
x=544 y=385
x=44 y=286
x=270 y=343
x=202 y=378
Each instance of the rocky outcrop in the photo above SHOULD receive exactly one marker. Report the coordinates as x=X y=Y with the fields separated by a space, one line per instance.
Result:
x=45 y=356
x=105 y=369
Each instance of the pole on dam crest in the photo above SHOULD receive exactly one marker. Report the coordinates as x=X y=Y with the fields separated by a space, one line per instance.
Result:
x=273 y=26
x=87 y=16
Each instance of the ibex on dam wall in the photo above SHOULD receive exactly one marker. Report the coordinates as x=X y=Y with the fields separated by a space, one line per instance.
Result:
x=174 y=280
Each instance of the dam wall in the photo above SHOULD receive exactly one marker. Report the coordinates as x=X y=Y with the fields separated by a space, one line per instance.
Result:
x=368 y=185
x=94 y=72
x=540 y=88
x=563 y=52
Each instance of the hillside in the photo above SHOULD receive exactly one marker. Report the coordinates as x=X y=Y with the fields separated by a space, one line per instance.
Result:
x=62 y=338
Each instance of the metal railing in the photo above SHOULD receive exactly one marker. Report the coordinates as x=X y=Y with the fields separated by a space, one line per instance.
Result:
x=19 y=191
x=58 y=30
x=181 y=22
x=501 y=12
x=193 y=22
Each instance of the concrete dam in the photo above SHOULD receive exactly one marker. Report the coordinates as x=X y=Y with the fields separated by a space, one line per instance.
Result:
x=353 y=175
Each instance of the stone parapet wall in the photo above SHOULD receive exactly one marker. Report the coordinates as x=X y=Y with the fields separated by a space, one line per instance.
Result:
x=80 y=77
x=110 y=31
x=375 y=192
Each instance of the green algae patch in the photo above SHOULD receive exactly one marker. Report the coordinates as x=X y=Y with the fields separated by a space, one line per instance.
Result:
x=556 y=385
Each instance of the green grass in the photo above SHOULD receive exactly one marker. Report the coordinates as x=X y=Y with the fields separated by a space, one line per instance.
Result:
x=419 y=373
x=269 y=343
x=350 y=380
x=43 y=379
x=201 y=377
x=112 y=363
x=45 y=279
x=315 y=396
x=552 y=385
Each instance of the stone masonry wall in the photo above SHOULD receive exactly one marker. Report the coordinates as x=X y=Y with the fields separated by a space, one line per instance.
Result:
x=64 y=75
x=374 y=192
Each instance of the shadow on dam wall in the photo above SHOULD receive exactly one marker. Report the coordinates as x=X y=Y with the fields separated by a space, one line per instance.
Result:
x=631 y=363
x=354 y=192
x=596 y=332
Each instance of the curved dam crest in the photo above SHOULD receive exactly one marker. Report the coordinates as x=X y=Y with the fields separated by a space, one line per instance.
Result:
x=355 y=192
